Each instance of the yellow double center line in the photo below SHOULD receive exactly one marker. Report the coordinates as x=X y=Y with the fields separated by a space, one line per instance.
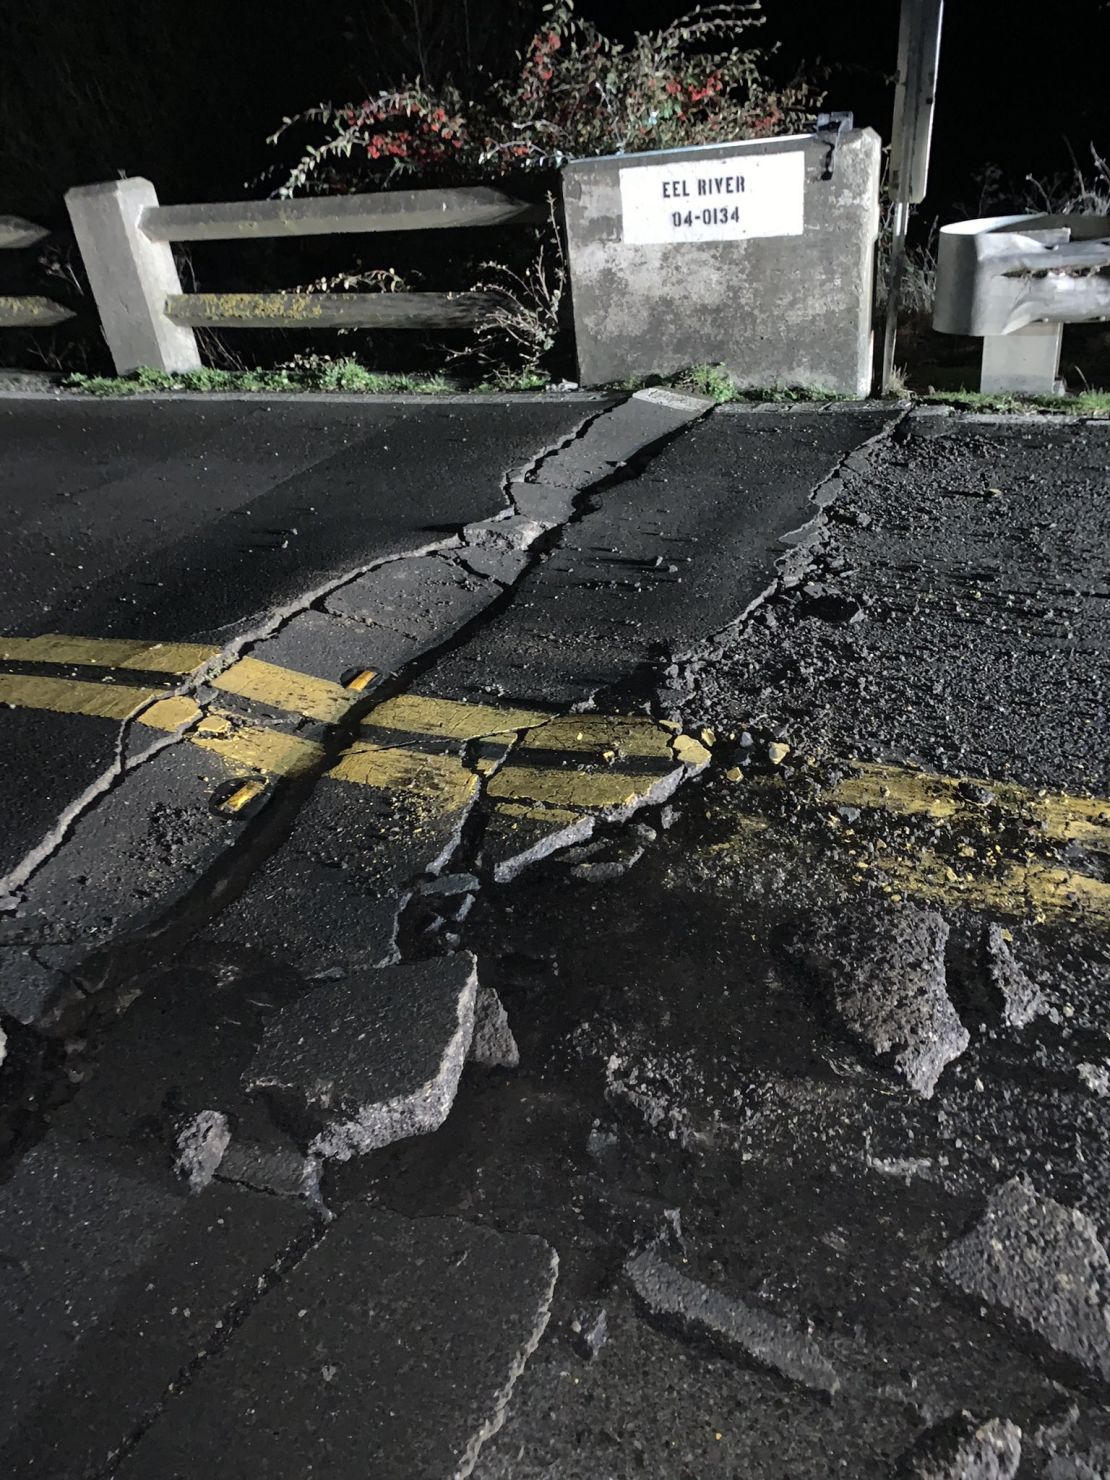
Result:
x=984 y=867
x=550 y=769
x=589 y=762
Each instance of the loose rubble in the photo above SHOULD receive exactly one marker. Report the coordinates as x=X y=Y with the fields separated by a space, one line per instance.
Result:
x=1043 y=1265
x=962 y=1448
x=371 y=1059
x=201 y=1146
x=739 y=1330
x=883 y=970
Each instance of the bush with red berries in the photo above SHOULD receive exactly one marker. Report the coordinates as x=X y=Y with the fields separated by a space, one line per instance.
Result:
x=577 y=93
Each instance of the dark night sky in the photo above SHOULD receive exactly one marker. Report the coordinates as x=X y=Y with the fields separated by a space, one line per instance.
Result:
x=186 y=90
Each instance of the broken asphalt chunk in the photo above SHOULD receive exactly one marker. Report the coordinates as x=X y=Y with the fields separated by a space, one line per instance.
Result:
x=391 y=1350
x=373 y=1058
x=493 y=1043
x=883 y=970
x=1042 y=1265
x=574 y=771
x=113 y=1280
x=962 y=1448
x=201 y=1145
x=737 y=1329
x=1022 y=999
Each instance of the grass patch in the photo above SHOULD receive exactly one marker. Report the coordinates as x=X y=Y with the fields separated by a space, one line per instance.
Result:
x=513 y=380
x=715 y=382
x=307 y=374
x=1085 y=403
x=347 y=376
x=788 y=393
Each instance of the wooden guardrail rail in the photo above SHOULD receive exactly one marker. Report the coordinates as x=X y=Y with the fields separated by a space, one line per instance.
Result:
x=26 y=311
x=125 y=237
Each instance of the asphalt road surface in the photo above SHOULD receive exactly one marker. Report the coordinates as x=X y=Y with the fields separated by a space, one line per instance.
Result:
x=554 y=939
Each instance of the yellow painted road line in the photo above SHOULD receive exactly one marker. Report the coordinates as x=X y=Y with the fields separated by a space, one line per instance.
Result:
x=170 y=714
x=553 y=816
x=449 y=719
x=285 y=688
x=177 y=658
x=1069 y=819
x=593 y=746
x=73 y=696
x=1056 y=816
x=569 y=786
x=1017 y=890
x=247 y=748
x=443 y=779
x=243 y=747
x=243 y=795
x=601 y=736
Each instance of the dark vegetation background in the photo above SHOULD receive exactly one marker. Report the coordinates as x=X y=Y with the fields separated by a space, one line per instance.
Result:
x=186 y=94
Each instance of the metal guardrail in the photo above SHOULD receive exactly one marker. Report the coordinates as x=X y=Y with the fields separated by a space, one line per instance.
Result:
x=27 y=311
x=124 y=235
x=1014 y=281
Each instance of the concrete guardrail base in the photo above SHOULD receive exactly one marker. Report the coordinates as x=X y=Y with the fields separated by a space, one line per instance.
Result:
x=757 y=256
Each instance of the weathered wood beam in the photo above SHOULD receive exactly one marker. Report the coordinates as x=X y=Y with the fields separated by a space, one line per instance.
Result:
x=392 y=210
x=31 y=313
x=330 y=310
x=15 y=232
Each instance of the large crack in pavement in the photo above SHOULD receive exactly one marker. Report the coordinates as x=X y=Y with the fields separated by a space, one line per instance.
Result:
x=667 y=1128
x=96 y=1116
x=551 y=506
x=125 y=760
x=129 y=756
x=887 y=1147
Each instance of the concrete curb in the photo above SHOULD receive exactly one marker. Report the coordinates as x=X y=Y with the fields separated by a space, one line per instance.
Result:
x=339 y=398
x=801 y=408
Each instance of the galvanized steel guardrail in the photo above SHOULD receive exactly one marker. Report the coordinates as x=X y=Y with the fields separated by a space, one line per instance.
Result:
x=1014 y=281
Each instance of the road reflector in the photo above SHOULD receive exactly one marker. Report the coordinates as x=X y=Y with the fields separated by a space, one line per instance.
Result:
x=233 y=798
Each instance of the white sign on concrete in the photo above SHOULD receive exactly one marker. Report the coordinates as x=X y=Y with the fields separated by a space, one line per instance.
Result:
x=704 y=200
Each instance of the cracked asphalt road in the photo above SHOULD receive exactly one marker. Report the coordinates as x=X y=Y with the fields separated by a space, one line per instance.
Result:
x=585 y=957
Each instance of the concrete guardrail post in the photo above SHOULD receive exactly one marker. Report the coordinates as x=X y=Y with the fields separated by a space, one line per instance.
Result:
x=131 y=276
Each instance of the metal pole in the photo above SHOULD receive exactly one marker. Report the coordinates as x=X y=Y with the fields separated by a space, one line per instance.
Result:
x=894 y=288
x=918 y=57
